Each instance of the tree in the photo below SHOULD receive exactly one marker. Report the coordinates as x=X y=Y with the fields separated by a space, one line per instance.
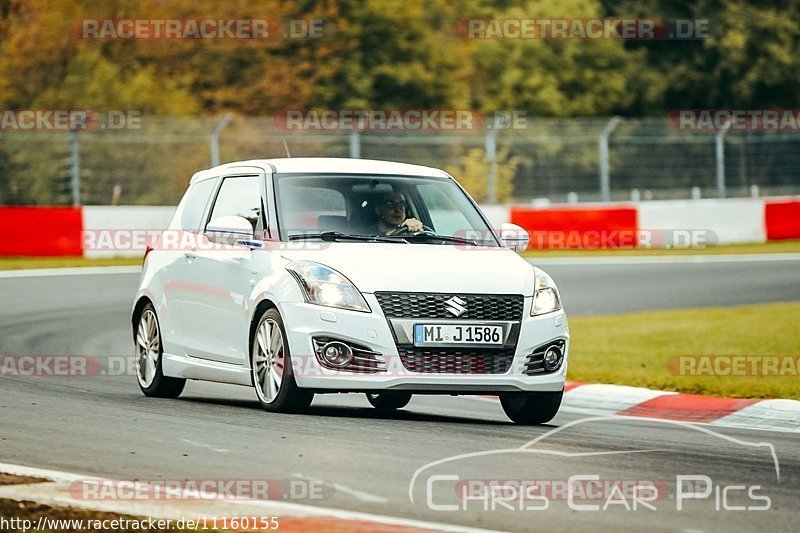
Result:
x=750 y=60
x=473 y=169
x=554 y=77
x=390 y=57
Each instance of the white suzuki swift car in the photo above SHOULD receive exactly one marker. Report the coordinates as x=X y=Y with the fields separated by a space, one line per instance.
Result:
x=313 y=275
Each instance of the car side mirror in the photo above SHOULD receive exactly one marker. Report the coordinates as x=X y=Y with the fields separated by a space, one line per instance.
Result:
x=514 y=237
x=231 y=230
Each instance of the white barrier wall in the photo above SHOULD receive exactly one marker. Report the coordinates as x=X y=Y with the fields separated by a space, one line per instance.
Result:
x=118 y=231
x=732 y=221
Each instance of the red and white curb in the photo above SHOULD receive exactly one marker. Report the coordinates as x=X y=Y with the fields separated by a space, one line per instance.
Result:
x=621 y=400
x=291 y=516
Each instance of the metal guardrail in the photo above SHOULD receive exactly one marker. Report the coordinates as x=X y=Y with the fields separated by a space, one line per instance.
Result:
x=591 y=159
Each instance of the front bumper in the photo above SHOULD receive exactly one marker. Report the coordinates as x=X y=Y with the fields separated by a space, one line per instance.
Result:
x=304 y=321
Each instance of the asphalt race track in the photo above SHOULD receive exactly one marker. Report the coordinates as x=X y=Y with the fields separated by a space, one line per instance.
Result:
x=103 y=426
x=624 y=285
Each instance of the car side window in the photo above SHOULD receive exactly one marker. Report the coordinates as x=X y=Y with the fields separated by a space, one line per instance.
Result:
x=194 y=205
x=240 y=196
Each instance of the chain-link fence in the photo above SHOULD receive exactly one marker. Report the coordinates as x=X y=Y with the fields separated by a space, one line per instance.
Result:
x=560 y=159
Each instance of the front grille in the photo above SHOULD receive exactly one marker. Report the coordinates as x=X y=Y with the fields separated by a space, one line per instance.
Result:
x=455 y=360
x=432 y=305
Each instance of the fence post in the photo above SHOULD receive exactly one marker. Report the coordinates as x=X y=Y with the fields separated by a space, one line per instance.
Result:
x=605 y=180
x=491 y=158
x=214 y=139
x=720 y=154
x=355 y=145
x=74 y=167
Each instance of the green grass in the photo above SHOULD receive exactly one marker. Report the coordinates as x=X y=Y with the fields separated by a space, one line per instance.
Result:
x=633 y=349
x=776 y=247
x=17 y=263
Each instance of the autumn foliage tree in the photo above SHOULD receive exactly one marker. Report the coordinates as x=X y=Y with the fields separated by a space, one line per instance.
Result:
x=381 y=54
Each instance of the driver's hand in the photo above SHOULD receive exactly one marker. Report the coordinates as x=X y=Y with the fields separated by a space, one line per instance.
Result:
x=413 y=225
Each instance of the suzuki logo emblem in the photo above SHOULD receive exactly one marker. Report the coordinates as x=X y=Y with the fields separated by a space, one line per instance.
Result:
x=456 y=306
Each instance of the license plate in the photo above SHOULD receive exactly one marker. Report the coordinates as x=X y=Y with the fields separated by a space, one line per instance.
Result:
x=457 y=334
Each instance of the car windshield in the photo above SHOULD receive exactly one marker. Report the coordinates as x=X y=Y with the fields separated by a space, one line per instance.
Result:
x=366 y=208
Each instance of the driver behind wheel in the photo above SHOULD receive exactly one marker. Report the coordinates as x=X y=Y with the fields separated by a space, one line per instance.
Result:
x=391 y=211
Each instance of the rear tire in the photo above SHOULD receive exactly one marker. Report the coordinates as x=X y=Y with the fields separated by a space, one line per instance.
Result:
x=531 y=408
x=271 y=368
x=388 y=401
x=149 y=358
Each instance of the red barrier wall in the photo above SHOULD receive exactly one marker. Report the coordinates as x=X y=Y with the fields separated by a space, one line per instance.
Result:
x=782 y=220
x=41 y=231
x=578 y=227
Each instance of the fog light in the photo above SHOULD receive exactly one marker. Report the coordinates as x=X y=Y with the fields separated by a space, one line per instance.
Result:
x=552 y=358
x=337 y=354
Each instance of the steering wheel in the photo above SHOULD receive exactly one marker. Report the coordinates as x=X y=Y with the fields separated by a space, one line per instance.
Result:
x=404 y=230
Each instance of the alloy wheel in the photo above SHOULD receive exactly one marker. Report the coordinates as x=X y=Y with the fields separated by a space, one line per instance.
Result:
x=148 y=346
x=268 y=360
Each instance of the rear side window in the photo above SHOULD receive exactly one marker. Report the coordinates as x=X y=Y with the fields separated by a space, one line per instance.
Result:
x=241 y=197
x=190 y=212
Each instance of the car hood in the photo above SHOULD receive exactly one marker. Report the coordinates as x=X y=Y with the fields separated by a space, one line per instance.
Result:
x=422 y=267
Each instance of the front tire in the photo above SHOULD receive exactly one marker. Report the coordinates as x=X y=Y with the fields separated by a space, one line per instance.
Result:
x=531 y=408
x=388 y=401
x=271 y=368
x=149 y=357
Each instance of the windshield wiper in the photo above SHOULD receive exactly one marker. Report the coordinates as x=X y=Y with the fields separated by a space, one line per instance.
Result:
x=331 y=236
x=435 y=237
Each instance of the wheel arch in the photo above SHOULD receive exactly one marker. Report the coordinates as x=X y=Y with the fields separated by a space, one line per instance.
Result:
x=259 y=310
x=137 y=312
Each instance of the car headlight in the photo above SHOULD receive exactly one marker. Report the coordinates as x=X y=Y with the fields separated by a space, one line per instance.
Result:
x=545 y=294
x=323 y=285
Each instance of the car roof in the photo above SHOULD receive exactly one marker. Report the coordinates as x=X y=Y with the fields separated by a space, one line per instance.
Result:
x=335 y=165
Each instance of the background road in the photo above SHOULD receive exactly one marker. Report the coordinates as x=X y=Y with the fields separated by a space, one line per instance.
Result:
x=104 y=426
x=624 y=285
